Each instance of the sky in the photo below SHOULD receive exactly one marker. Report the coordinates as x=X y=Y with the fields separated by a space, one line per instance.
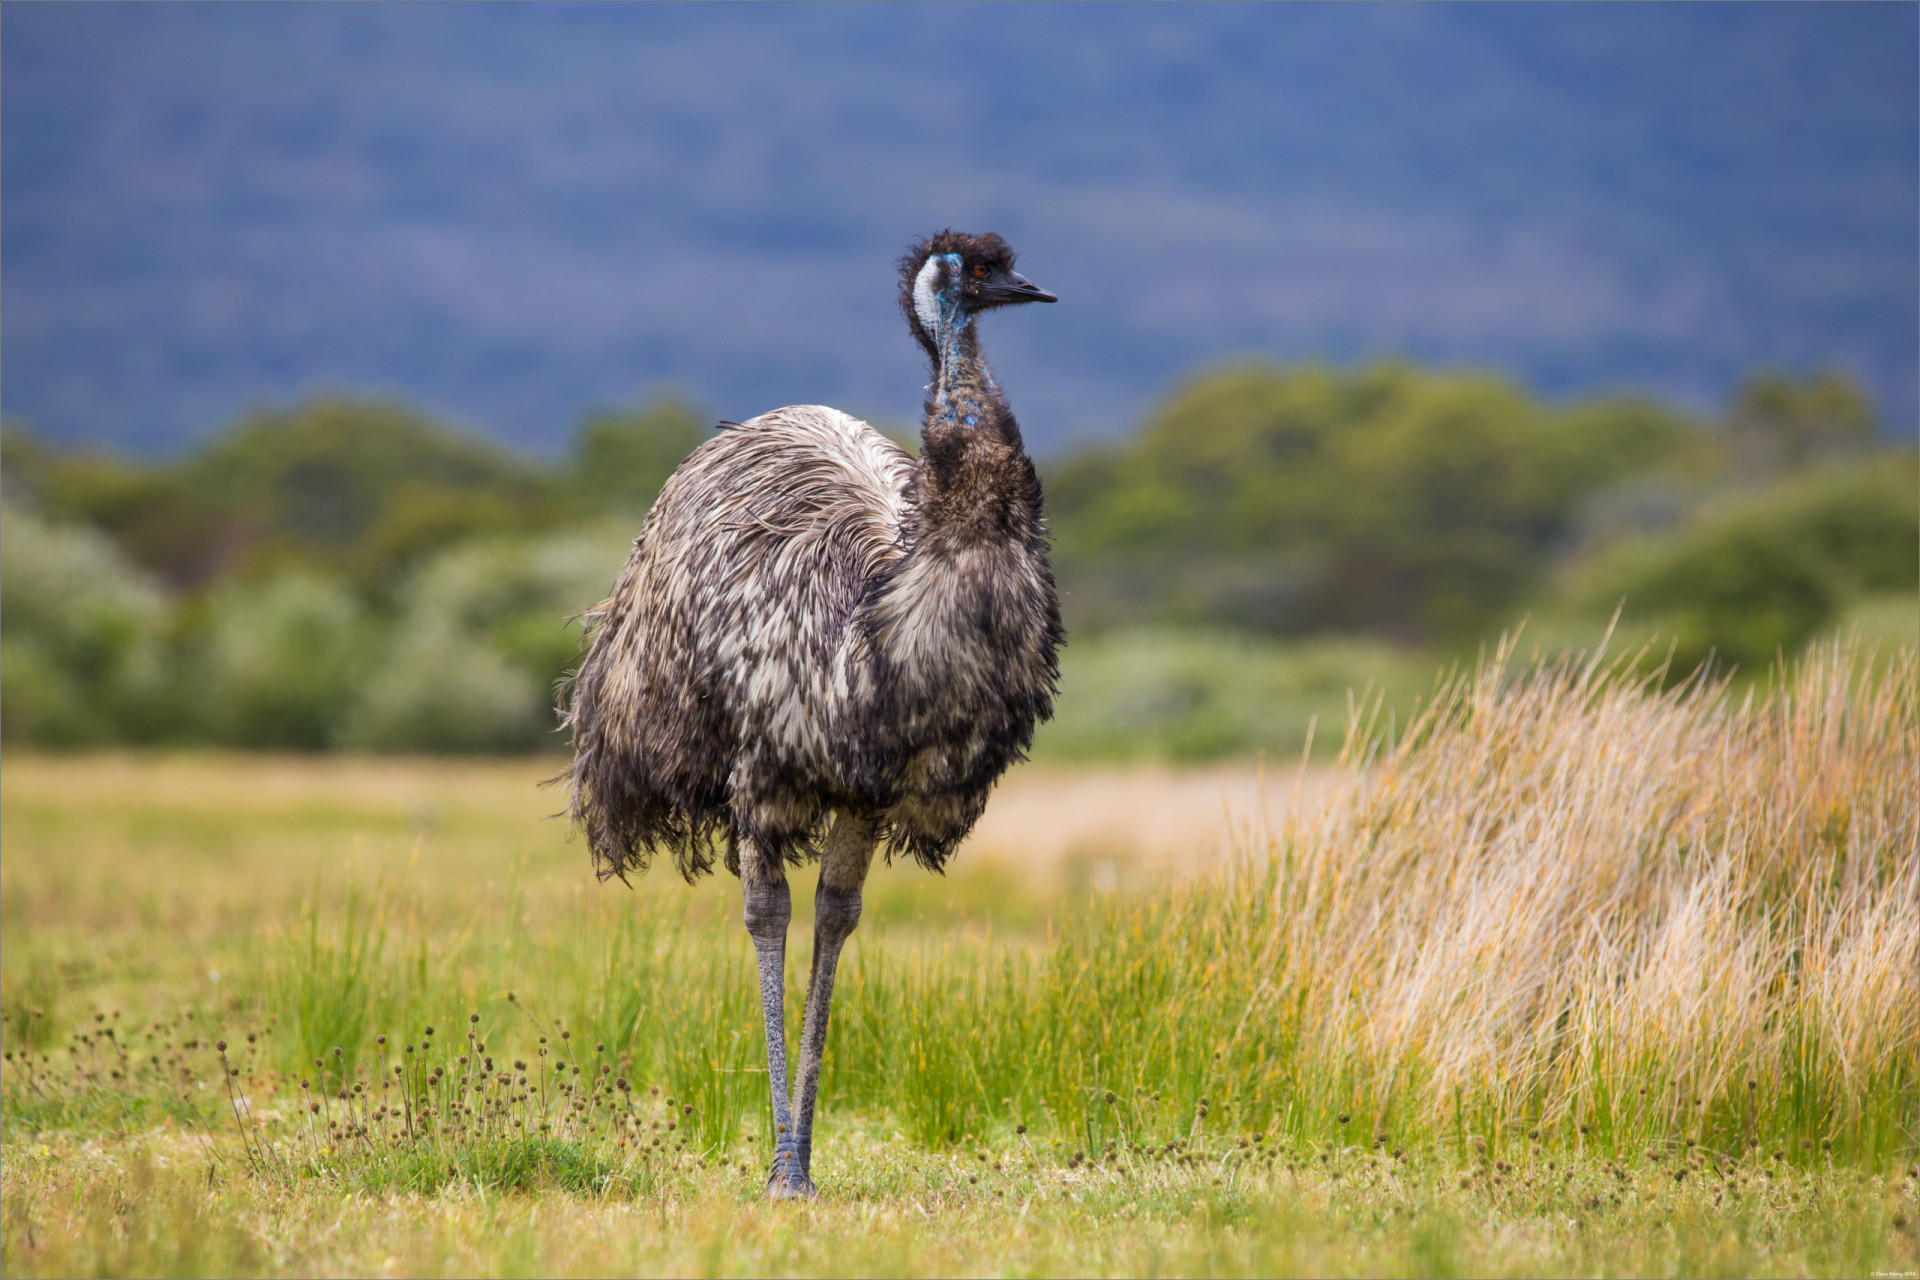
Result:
x=511 y=215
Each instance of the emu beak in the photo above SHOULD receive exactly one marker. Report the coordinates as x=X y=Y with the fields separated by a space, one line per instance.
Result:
x=1011 y=286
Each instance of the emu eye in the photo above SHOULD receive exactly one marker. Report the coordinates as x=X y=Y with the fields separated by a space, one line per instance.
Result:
x=980 y=272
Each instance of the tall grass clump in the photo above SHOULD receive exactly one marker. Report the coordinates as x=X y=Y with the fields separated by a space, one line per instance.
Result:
x=1564 y=898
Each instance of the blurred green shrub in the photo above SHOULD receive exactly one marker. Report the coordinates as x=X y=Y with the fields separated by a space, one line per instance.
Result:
x=279 y=658
x=354 y=488
x=1781 y=423
x=1882 y=621
x=439 y=691
x=620 y=461
x=1175 y=695
x=152 y=517
x=482 y=637
x=1299 y=501
x=82 y=637
x=365 y=487
x=1760 y=574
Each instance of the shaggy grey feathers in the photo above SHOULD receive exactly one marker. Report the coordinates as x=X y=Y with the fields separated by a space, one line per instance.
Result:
x=791 y=637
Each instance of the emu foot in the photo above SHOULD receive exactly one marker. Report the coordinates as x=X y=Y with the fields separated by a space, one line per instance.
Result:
x=788 y=1179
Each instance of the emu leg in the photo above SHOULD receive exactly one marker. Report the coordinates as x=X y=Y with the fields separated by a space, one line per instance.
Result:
x=769 y=906
x=843 y=870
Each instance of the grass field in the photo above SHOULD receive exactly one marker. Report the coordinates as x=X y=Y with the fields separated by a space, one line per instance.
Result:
x=1565 y=977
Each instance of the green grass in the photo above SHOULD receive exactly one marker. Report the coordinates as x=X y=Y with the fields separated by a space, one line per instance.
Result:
x=166 y=1204
x=1574 y=977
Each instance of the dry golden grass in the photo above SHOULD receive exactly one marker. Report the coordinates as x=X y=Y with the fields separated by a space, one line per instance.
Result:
x=193 y=841
x=1140 y=825
x=197 y=840
x=1600 y=903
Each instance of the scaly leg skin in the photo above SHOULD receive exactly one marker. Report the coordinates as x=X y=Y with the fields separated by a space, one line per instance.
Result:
x=843 y=870
x=769 y=906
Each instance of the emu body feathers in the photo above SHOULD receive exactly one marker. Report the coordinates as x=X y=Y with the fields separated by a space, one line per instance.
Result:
x=812 y=622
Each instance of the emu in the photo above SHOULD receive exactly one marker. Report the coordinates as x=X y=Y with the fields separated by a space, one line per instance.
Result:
x=822 y=646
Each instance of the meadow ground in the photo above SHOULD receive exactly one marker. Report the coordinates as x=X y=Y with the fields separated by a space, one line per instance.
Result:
x=1568 y=977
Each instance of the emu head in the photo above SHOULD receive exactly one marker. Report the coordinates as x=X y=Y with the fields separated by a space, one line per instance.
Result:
x=949 y=278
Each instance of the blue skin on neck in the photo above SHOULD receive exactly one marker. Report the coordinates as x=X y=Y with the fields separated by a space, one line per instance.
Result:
x=948 y=338
x=949 y=299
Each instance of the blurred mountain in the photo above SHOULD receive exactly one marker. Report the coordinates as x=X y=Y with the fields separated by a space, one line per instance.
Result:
x=511 y=214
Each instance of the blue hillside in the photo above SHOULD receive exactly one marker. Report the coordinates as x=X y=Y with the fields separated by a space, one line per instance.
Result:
x=510 y=214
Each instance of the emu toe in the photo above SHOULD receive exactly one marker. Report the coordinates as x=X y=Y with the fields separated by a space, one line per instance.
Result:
x=788 y=1179
x=790 y=1187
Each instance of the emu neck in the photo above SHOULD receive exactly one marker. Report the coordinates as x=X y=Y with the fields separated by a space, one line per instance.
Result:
x=963 y=391
x=974 y=472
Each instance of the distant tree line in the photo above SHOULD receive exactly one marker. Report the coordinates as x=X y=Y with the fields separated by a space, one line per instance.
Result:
x=352 y=573
x=1430 y=508
x=347 y=573
x=359 y=490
